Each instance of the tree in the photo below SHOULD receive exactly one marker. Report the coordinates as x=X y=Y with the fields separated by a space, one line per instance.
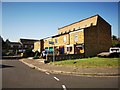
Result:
x=114 y=37
x=115 y=41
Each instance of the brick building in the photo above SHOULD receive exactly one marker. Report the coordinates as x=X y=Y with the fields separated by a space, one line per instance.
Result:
x=89 y=36
x=27 y=44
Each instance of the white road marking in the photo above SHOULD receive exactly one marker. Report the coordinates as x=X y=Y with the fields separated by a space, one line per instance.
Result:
x=64 y=88
x=56 y=78
x=47 y=73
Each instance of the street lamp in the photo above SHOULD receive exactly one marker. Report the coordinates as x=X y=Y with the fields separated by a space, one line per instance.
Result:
x=52 y=43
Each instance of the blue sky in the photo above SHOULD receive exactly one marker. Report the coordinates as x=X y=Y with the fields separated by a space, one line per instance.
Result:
x=42 y=19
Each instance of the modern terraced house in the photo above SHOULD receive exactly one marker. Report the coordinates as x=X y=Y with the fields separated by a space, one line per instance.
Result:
x=89 y=36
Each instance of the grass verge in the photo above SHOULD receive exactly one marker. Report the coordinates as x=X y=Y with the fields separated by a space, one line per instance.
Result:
x=95 y=62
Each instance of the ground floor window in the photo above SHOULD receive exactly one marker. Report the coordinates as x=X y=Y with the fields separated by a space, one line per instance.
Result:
x=79 y=48
x=69 y=49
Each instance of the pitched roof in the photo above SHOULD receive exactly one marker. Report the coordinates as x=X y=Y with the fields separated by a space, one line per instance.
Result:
x=15 y=43
x=24 y=40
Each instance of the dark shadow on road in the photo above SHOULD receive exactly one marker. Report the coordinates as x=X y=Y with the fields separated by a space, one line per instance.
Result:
x=5 y=66
x=10 y=59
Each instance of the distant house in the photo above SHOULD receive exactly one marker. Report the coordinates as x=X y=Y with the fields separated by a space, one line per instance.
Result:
x=14 y=47
x=116 y=42
x=3 y=46
x=1 y=40
x=89 y=36
x=39 y=45
x=27 y=43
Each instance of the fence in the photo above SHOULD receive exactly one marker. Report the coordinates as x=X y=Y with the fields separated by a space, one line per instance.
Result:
x=64 y=57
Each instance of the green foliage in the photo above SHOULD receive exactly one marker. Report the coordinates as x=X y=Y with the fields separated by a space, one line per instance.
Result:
x=114 y=37
x=28 y=53
x=9 y=54
x=115 y=44
x=36 y=55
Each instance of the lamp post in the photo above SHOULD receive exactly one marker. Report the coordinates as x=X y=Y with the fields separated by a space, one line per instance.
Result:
x=52 y=43
x=53 y=54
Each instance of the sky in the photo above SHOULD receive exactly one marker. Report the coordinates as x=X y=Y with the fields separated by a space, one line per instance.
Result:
x=37 y=20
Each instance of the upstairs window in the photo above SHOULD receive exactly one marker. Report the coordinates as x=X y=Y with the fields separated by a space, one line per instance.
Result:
x=25 y=46
x=11 y=46
x=64 y=39
x=56 y=40
x=19 y=46
x=76 y=38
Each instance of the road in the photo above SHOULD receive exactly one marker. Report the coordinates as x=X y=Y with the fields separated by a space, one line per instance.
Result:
x=18 y=75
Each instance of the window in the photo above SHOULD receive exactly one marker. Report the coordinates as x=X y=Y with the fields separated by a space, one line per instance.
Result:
x=69 y=49
x=76 y=38
x=19 y=46
x=31 y=46
x=11 y=46
x=25 y=46
x=56 y=40
x=64 y=40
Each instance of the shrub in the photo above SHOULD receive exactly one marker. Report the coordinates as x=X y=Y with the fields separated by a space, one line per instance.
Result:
x=28 y=53
x=37 y=54
x=35 y=57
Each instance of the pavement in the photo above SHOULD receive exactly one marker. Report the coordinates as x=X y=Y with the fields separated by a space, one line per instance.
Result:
x=57 y=69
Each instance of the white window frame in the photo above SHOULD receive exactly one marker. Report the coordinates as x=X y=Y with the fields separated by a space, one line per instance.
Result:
x=56 y=40
x=64 y=39
x=75 y=37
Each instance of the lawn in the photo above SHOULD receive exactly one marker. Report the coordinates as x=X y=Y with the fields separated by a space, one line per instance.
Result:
x=90 y=62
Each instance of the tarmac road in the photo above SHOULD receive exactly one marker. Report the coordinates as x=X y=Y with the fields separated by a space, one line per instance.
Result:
x=18 y=75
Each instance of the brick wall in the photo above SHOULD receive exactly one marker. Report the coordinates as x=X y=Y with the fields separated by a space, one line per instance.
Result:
x=90 y=41
x=97 y=38
x=37 y=46
x=104 y=35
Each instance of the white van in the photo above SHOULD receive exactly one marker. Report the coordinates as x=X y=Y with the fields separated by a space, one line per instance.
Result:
x=114 y=50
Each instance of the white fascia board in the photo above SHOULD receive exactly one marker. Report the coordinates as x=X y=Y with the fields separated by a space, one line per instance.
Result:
x=69 y=45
